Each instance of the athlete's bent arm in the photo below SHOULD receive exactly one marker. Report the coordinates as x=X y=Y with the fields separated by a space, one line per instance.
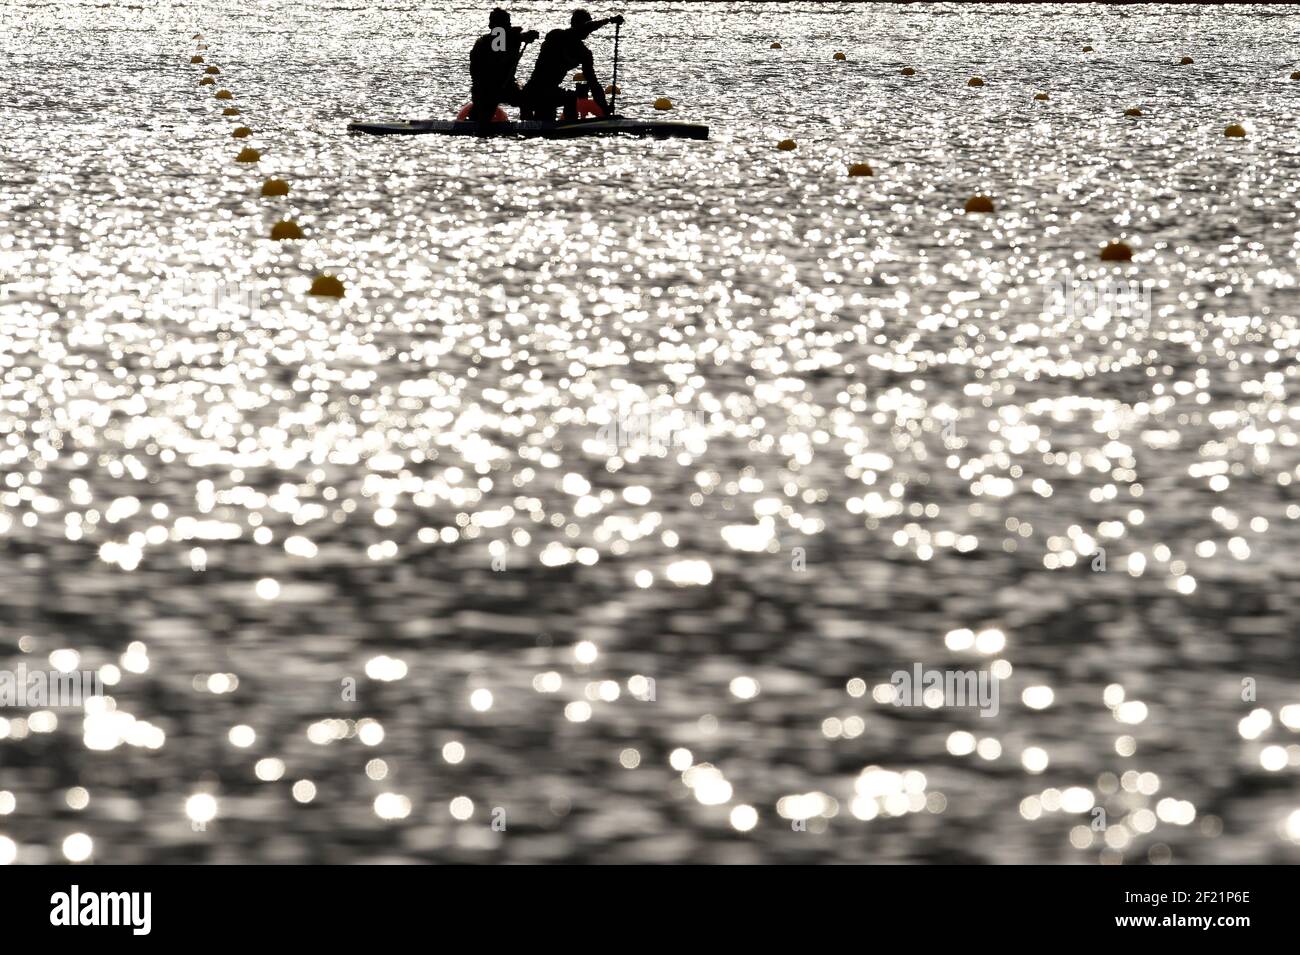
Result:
x=589 y=28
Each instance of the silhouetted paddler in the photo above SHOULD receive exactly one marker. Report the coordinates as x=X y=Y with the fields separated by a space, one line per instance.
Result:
x=492 y=65
x=562 y=51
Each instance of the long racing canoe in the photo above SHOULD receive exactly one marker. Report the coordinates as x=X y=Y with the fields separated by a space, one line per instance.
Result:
x=616 y=126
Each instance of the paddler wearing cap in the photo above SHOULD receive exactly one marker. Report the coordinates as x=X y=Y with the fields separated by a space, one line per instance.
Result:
x=562 y=51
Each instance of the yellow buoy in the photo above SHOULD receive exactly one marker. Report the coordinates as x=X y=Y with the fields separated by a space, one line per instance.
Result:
x=907 y=71
x=580 y=77
x=979 y=204
x=196 y=59
x=974 y=81
x=248 y=154
x=275 y=187
x=1040 y=96
x=213 y=70
x=242 y=132
x=1117 y=252
x=225 y=94
x=775 y=46
x=612 y=88
x=786 y=145
x=1088 y=49
x=1235 y=131
x=860 y=169
x=202 y=46
x=1186 y=61
x=1296 y=75
x=840 y=56
x=206 y=81
x=197 y=36
x=230 y=111
x=663 y=102
x=1132 y=111
x=326 y=285
x=288 y=229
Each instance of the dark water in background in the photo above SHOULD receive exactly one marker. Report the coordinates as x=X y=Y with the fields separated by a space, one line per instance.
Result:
x=855 y=424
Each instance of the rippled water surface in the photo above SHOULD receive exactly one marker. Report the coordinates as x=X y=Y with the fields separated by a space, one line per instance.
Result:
x=592 y=523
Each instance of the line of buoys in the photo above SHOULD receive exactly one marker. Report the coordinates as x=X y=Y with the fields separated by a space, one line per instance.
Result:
x=288 y=230
x=326 y=284
x=1040 y=96
x=1235 y=131
x=979 y=204
x=787 y=145
x=285 y=230
x=1186 y=61
x=1117 y=252
x=860 y=169
x=907 y=71
x=663 y=102
x=840 y=56
x=975 y=81
x=1132 y=111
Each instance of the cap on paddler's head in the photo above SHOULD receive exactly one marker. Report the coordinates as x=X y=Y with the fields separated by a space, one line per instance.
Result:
x=579 y=18
x=499 y=18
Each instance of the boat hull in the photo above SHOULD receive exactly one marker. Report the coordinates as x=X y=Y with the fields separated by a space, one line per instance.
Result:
x=532 y=130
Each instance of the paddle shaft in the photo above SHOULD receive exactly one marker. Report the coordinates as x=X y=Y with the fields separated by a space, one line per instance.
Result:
x=613 y=96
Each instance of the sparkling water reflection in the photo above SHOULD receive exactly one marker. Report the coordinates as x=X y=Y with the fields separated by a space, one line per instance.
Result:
x=593 y=521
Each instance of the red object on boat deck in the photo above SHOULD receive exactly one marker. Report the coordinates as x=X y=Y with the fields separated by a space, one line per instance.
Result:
x=589 y=107
x=498 y=117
